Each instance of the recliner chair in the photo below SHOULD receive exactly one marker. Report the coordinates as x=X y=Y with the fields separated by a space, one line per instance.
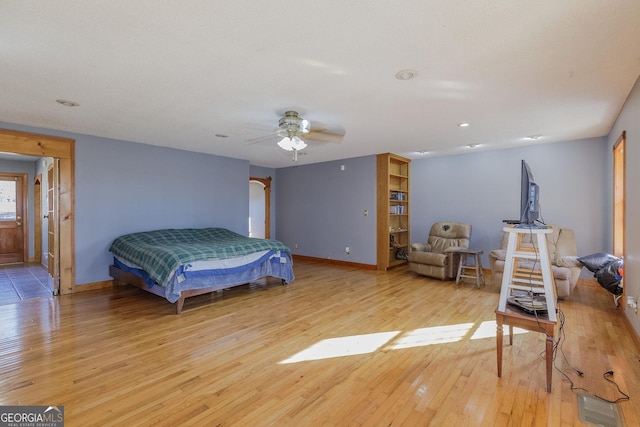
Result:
x=565 y=266
x=437 y=257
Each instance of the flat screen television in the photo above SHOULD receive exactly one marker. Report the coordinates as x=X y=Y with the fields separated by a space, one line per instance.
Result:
x=529 y=197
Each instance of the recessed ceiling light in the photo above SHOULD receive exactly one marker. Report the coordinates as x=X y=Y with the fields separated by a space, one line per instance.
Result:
x=423 y=152
x=473 y=145
x=533 y=137
x=463 y=124
x=67 y=103
x=406 y=74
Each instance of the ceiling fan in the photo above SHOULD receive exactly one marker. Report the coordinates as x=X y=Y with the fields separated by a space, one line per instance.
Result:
x=294 y=130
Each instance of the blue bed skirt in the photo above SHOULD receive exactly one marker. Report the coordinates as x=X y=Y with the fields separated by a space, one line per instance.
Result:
x=273 y=264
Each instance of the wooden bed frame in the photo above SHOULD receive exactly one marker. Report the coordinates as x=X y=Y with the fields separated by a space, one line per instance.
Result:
x=124 y=277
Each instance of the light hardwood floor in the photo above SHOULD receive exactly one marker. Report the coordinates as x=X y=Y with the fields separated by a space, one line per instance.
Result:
x=337 y=347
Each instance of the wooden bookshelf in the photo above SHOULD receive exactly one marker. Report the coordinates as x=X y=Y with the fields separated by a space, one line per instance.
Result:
x=392 y=209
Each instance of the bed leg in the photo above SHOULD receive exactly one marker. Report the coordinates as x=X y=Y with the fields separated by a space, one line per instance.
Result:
x=179 y=305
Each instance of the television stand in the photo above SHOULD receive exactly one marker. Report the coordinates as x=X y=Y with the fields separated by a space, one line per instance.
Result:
x=530 y=226
x=514 y=277
x=520 y=279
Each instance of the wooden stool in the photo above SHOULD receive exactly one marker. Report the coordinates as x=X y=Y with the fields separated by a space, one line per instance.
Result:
x=463 y=266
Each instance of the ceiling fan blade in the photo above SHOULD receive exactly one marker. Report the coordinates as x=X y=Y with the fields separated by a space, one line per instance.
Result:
x=324 y=136
x=260 y=139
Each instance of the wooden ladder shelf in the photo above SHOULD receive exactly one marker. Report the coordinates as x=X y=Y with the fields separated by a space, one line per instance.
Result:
x=537 y=280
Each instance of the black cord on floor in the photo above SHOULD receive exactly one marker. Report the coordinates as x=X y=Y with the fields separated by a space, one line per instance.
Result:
x=624 y=397
x=558 y=346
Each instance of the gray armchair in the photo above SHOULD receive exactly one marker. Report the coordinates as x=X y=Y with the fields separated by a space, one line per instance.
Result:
x=437 y=257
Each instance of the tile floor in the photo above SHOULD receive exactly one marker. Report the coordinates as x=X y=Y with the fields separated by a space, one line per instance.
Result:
x=23 y=281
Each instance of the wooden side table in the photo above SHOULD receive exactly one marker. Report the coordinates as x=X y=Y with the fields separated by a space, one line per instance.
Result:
x=520 y=319
x=464 y=266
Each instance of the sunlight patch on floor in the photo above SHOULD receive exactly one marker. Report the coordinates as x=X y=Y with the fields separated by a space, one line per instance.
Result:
x=368 y=343
x=342 y=346
x=488 y=330
x=434 y=335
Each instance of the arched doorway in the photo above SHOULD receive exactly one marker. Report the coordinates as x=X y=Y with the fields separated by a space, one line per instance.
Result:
x=260 y=207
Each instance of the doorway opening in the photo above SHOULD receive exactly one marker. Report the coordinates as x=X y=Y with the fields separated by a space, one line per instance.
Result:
x=63 y=151
x=260 y=207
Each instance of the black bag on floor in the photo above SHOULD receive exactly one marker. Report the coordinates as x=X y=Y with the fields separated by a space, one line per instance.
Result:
x=609 y=278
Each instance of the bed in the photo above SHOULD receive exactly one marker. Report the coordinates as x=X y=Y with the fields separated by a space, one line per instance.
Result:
x=181 y=263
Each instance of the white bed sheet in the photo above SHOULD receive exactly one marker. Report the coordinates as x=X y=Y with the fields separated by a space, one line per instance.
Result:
x=211 y=264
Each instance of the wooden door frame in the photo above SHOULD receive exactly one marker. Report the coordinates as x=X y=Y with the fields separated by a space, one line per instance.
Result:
x=37 y=219
x=25 y=212
x=267 y=203
x=619 y=149
x=32 y=144
x=619 y=203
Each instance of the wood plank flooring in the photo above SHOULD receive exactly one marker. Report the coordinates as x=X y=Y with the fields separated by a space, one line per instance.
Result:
x=337 y=347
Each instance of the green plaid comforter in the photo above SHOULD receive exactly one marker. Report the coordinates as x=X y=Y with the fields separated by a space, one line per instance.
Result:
x=161 y=252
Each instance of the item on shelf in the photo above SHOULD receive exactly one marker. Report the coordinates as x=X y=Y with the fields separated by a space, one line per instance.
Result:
x=401 y=254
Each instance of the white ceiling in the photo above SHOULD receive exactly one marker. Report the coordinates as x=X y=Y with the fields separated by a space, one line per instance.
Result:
x=175 y=74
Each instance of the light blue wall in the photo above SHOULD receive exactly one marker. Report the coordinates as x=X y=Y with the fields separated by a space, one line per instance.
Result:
x=28 y=167
x=321 y=208
x=262 y=172
x=629 y=121
x=123 y=187
x=483 y=188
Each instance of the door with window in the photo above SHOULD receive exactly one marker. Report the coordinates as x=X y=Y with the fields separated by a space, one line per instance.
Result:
x=12 y=212
x=53 y=250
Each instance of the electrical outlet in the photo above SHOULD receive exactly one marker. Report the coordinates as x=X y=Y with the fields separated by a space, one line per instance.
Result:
x=632 y=302
x=296 y=245
x=347 y=250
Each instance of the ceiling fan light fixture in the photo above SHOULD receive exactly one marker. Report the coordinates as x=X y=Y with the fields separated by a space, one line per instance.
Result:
x=293 y=143
x=285 y=144
x=298 y=143
x=292 y=123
